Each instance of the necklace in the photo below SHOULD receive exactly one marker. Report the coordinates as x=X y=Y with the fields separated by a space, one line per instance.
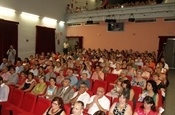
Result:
x=53 y=111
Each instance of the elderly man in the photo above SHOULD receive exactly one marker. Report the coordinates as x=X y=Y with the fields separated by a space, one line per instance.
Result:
x=98 y=102
x=66 y=91
x=81 y=95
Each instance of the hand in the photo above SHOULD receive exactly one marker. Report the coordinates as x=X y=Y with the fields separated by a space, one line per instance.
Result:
x=96 y=99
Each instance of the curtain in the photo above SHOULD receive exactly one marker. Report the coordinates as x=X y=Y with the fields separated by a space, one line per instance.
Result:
x=45 y=40
x=8 y=36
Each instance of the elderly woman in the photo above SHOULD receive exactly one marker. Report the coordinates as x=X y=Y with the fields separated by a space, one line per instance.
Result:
x=121 y=107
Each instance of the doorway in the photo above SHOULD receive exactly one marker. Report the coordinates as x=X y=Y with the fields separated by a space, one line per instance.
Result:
x=169 y=52
x=75 y=42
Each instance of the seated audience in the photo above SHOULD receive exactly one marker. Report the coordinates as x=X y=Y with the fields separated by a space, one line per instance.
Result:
x=50 y=73
x=19 y=67
x=121 y=107
x=145 y=74
x=29 y=83
x=57 y=67
x=81 y=95
x=4 y=63
x=70 y=75
x=98 y=74
x=4 y=91
x=83 y=79
x=13 y=79
x=127 y=89
x=148 y=107
x=57 y=107
x=21 y=79
x=34 y=70
x=60 y=77
x=138 y=80
x=51 y=89
x=40 y=71
x=39 y=87
x=5 y=73
x=98 y=102
x=117 y=69
x=66 y=91
x=86 y=70
x=78 y=108
x=117 y=90
x=151 y=90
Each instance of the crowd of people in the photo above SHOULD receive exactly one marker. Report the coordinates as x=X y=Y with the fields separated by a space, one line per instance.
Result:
x=68 y=79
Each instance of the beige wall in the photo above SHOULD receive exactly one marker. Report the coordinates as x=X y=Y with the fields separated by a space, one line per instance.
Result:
x=136 y=36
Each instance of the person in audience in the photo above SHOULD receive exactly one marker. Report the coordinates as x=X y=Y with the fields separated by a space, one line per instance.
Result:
x=66 y=91
x=151 y=90
x=86 y=70
x=39 y=87
x=121 y=107
x=26 y=69
x=81 y=95
x=50 y=74
x=131 y=70
x=127 y=89
x=26 y=61
x=117 y=90
x=34 y=70
x=148 y=107
x=98 y=74
x=60 y=77
x=57 y=67
x=21 y=79
x=98 y=102
x=51 y=89
x=4 y=63
x=78 y=108
x=4 y=91
x=164 y=63
x=83 y=79
x=117 y=70
x=152 y=63
x=11 y=52
x=19 y=67
x=123 y=75
x=5 y=74
x=29 y=83
x=40 y=71
x=73 y=79
x=57 y=107
x=13 y=79
x=138 y=80
x=145 y=74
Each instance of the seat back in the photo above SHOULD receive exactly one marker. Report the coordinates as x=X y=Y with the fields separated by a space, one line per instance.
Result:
x=99 y=83
x=67 y=109
x=41 y=106
x=138 y=105
x=11 y=88
x=137 y=91
x=111 y=78
x=28 y=102
x=16 y=97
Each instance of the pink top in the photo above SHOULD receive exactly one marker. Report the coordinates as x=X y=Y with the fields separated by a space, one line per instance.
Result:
x=140 y=111
x=96 y=76
x=5 y=76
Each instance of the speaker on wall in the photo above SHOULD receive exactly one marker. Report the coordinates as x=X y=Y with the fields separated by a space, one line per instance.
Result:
x=118 y=26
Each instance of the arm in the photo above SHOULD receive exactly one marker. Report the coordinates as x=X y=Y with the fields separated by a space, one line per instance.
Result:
x=21 y=86
x=128 y=110
x=157 y=100
x=135 y=113
x=131 y=95
x=73 y=100
x=100 y=107
x=112 y=109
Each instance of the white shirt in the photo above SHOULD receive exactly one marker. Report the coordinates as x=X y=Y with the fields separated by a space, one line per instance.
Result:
x=104 y=102
x=83 y=97
x=34 y=71
x=4 y=92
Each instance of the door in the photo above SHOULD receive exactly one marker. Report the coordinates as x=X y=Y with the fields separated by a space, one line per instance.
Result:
x=169 y=52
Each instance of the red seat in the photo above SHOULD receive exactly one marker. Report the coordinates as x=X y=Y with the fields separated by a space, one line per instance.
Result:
x=138 y=104
x=99 y=83
x=110 y=87
x=110 y=78
x=137 y=91
x=129 y=78
x=160 y=101
x=89 y=92
x=115 y=100
x=27 y=104
x=41 y=106
x=131 y=104
x=67 y=109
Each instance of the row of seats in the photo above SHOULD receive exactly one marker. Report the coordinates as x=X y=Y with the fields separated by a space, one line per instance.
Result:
x=21 y=103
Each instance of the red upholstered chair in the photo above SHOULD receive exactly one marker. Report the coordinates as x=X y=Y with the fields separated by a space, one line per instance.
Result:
x=90 y=92
x=160 y=101
x=27 y=104
x=67 y=109
x=41 y=106
x=115 y=100
x=138 y=104
x=110 y=87
x=137 y=91
x=99 y=83
x=131 y=104
x=129 y=78
x=110 y=78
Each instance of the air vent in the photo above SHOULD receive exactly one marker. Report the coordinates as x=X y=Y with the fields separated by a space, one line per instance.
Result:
x=75 y=24
x=93 y=23
x=144 y=20
x=169 y=19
